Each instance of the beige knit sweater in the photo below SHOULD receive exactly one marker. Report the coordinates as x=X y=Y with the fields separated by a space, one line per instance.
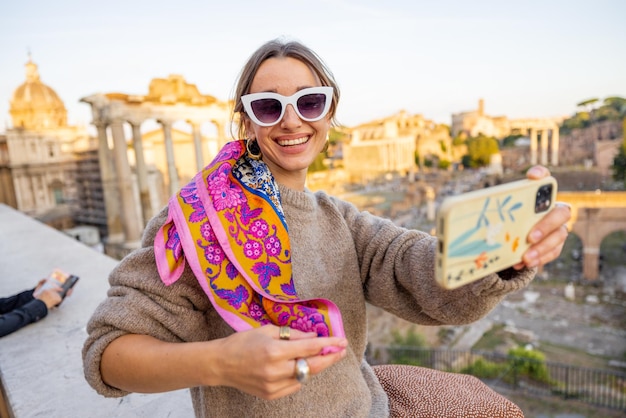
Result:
x=338 y=253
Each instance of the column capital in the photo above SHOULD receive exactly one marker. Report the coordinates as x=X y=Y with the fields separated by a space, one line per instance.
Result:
x=135 y=121
x=166 y=122
x=100 y=123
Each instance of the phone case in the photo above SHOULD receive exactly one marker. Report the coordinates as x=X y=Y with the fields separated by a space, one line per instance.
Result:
x=485 y=231
x=68 y=284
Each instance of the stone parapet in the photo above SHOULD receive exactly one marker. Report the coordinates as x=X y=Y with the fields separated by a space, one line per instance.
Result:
x=40 y=365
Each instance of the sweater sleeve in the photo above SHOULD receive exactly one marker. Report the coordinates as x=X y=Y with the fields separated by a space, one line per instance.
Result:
x=139 y=303
x=398 y=274
x=20 y=310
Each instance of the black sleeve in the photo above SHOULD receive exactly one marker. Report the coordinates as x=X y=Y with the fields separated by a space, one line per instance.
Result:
x=15 y=301
x=24 y=314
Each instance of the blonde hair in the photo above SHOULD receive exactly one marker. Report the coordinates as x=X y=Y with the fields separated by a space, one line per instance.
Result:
x=282 y=49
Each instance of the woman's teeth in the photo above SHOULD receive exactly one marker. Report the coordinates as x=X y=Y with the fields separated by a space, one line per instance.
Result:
x=297 y=141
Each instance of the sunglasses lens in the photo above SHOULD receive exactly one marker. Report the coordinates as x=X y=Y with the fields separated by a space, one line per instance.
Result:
x=311 y=106
x=266 y=110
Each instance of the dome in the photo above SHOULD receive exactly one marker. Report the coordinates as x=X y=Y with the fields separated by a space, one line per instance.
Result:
x=35 y=105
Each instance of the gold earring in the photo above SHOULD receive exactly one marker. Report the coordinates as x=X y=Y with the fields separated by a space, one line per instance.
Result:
x=253 y=149
x=326 y=144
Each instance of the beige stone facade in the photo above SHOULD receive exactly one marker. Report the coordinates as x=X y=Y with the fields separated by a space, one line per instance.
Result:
x=543 y=132
x=37 y=160
x=389 y=145
x=34 y=105
x=179 y=155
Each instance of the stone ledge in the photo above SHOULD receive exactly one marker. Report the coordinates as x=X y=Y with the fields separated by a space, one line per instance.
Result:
x=40 y=365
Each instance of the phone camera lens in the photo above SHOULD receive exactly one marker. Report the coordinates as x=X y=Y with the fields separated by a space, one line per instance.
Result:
x=544 y=198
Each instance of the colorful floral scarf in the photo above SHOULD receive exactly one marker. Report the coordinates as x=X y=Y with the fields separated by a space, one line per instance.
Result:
x=228 y=224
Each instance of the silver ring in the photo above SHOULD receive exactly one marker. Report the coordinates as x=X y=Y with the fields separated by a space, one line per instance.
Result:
x=302 y=370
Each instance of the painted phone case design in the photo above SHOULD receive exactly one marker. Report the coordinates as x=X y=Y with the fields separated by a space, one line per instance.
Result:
x=485 y=231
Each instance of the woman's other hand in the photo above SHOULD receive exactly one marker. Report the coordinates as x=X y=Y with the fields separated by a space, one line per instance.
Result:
x=258 y=362
x=548 y=236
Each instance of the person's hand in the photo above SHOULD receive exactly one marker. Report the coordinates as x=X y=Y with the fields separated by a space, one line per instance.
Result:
x=548 y=236
x=50 y=297
x=38 y=287
x=258 y=362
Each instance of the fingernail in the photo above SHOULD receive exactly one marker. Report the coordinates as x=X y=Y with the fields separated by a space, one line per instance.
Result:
x=536 y=236
x=532 y=258
x=535 y=171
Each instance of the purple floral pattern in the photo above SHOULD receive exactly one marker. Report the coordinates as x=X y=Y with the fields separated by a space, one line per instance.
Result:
x=257 y=236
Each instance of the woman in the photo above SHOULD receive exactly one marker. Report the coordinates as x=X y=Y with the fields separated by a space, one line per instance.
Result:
x=245 y=247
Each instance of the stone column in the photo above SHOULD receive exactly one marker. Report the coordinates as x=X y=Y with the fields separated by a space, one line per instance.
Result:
x=197 y=144
x=533 y=146
x=109 y=182
x=544 y=147
x=555 y=146
x=169 y=155
x=142 y=173
x=221 y=134
x=130 y=222
x=591 y=243
x=591 y=258
x=430 y=203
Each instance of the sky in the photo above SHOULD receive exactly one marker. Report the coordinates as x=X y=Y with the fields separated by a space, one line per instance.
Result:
x=526 y=59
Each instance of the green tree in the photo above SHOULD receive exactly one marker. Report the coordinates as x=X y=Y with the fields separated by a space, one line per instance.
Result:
x=579 y=121
x=606 y=113
x=407 y=347
x=588 y=104
x=466 y=161
x=484 y=369
x=410 y=339
x=444 y=164
x=619 y=162
x=509 y=141
x=480 y=150
x=529 y=363
x=458 y=140
x=318 y=163
x=617 y=103
x=337 y=134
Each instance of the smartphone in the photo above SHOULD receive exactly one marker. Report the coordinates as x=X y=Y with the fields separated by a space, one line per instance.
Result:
x=67 y=285
x=485 y=231
x=58 y=278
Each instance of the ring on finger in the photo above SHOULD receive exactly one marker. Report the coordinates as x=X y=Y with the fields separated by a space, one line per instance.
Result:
x=284 y=333
x=302 y=370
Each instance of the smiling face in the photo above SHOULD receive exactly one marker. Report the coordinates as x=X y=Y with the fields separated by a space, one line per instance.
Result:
x=290 y=146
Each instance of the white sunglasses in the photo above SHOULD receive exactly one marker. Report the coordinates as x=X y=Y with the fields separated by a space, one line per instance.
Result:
x=267 y=109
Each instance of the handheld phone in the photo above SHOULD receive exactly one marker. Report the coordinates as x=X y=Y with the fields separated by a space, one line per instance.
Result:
x=485 y=231
x=58 y=279
x=68 y=284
